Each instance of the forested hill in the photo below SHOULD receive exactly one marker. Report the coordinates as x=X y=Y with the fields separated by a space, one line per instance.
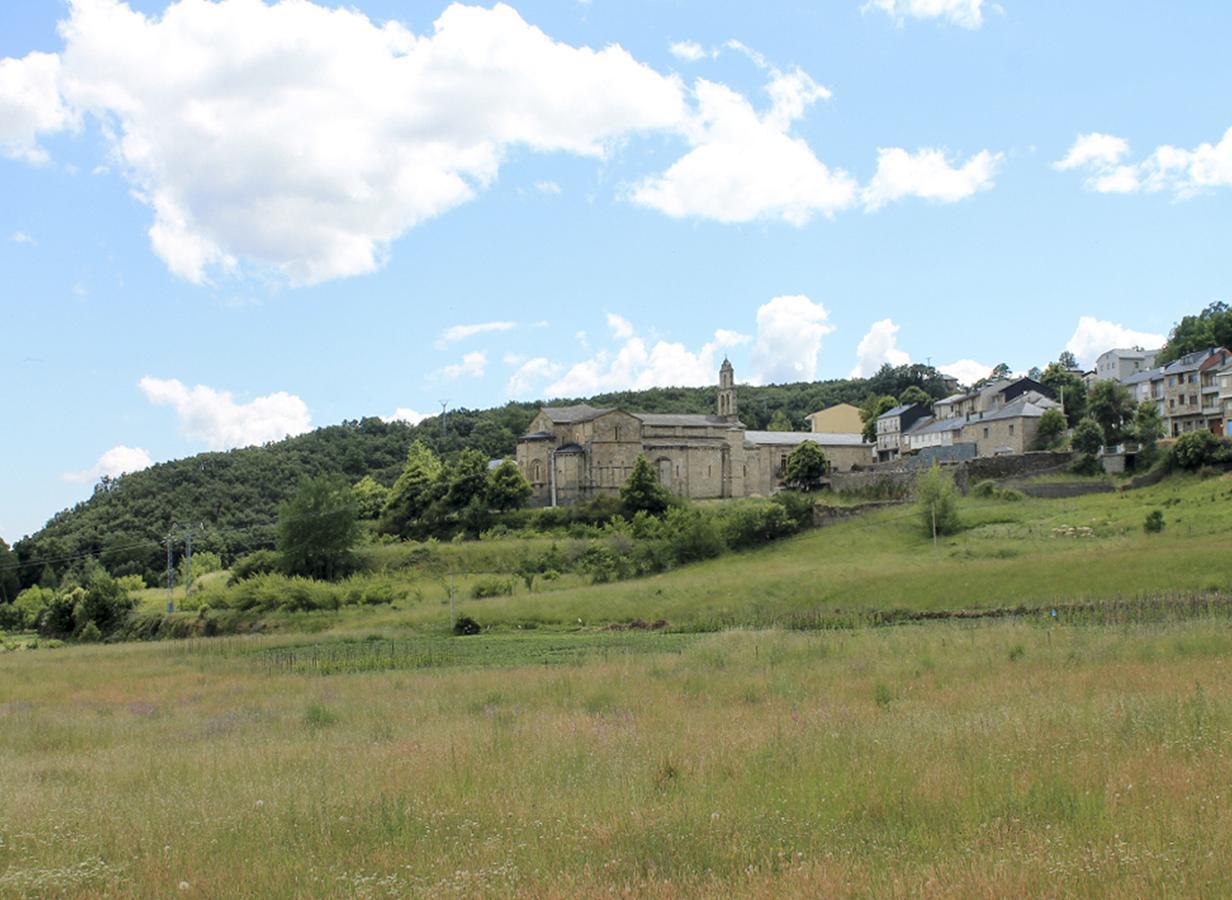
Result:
x=231 y=498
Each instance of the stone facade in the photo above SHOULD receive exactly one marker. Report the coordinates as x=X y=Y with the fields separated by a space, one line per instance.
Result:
x=576 y=453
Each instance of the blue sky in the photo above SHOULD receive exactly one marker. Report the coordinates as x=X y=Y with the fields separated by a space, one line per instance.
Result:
x=224 y=222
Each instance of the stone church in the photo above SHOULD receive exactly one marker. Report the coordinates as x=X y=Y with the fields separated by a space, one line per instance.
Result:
x=576 y=453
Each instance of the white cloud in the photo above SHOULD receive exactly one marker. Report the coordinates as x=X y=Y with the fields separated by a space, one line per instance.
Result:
x=530 y=373
x=878 y=347
x=30 y=105
x=689 y=51
x=473 y=365
x=789 y=334
x=967 y=371
x=1093 y=148
x=1183 y=172
x=964 y=13
x=407 y=415
x=1094 y=336
x=20 y=237
x=635 y=365
x=302 y=139
x=622 y=329
x=547 y=187
x=461 y=332
x=929 y=175
x=116 y=461
x=745 y=166
x=213 y=416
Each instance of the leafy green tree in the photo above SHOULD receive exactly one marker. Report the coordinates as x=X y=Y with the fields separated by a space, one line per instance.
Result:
x=1195 y=449
x=1210 y=328
x=104 y=604
x=1069 y=389
x=642 y=492
x=1067 y=360
x=203 y=562
x=915 y=394
x=806 y=467
x=317 y=529
x=1110 y=404
x=780 y=422
x=1088 y=437
x=417 y=488
x=10 y=581
x=936 y=502
x=370 y=497
x=507 y=487
x=872 y=407
x=1051 y=432
x=1148 y=425
x=466 y=478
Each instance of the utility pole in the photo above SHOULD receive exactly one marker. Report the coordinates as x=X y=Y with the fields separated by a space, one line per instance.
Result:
x=934 y=509
x=188 y=548
x=170 y=572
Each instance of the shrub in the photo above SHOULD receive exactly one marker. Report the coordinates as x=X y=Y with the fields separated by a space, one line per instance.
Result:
x=90 y=634
x=491 y=587
x=882 y=695
x=986 y=489
x=1154 y=522
x=466 y=625
x=259 y=562
x=1088 y=437
x=692 y=535
x=1195 y=449
x=936 y=501
x=642 y=490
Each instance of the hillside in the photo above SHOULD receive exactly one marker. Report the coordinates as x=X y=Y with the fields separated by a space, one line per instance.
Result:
x=231 y=498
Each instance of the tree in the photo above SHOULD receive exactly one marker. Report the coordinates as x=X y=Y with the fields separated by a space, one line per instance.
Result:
x=780 y=422
x=1000 y=370
x=507 y=487
x=915 y=394
x=317 y=528
x=1051 y=431
x=872 y=407
x=10 y=581
x=1088 y=437
x=416 y=489
x=466 y=479
x=1069 y=389
x=642 y=492
x=1110 y=404
x=370 y=497
x=1067 y=360
x=1195 y=449
x=1210 y=328
x=1148 y=425
x=806 y=467
x=936 y=501
x=1035 y=373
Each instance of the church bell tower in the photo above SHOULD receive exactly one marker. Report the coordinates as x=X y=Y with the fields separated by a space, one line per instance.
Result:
x=727 y=391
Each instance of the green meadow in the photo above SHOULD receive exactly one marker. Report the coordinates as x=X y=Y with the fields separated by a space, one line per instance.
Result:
x=779 y=722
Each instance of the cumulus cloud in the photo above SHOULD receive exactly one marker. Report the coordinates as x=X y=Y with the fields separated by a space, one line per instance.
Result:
x=790 y=330
x=967 y=371
x=116 y=461
x=878 y=347
x=461 y=332
x=20 y=237
x=30 y=105
x=216 y=419
x=304 y=139
x=523 y=383
x=1182 y=171
x=407 y=415
x=473 y=365
x=1094 y=336
x=621 y=328
x=929 y=175
x=636 y=365
x=688 y=51
x=746 y=165
x=964 y=13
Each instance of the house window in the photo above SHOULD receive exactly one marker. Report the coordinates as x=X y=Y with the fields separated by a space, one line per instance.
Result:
x=985 y=432
x=618 y=434
x=1011 y=429
x=1193 y=399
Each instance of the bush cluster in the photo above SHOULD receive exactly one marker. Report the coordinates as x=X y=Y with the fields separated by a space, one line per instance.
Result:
x=273 y=591
x=1196 y=449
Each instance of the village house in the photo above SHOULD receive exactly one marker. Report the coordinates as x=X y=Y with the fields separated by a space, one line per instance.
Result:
x=842 y=418
x=576 y=453
x=892 y=425
x=1118 y=365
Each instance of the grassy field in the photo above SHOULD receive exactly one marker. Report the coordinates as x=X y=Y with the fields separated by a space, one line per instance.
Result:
x=737 y=740
x=995 y=760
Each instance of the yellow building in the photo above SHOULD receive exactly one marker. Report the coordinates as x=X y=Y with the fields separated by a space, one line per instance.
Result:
x=842 y=418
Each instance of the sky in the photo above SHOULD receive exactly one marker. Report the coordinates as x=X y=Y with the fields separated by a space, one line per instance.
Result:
x=225 y=222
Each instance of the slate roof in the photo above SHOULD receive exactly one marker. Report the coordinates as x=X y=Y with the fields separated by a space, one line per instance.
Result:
x=567 y=415
x=896 y=411
x=688 y=419
x=791 y=438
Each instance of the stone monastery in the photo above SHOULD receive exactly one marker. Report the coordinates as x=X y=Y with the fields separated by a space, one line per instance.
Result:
x=576 y=453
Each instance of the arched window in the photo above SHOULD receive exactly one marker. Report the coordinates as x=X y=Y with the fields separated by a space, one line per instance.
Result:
x=536 y=472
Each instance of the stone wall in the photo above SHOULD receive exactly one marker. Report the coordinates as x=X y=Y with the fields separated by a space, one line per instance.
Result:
x=1000 y=468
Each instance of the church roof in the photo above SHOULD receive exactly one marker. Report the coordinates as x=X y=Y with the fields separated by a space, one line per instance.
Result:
x=791 y=438
x=671 y=419
x=567 y=415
